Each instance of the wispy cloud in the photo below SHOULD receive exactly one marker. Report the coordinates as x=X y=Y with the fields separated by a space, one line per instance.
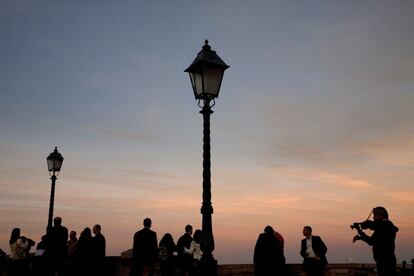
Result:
x=118 y=134
x=323 y=177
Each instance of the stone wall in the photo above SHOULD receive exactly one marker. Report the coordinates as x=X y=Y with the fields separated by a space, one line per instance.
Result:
x=120 y=267
x=117 y=266
x=297 y=269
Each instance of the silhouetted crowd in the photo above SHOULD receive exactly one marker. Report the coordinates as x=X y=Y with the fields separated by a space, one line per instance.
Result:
x=60 y=253
x=175 y=259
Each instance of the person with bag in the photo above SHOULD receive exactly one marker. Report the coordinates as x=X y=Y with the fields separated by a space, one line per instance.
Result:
x=166 y=251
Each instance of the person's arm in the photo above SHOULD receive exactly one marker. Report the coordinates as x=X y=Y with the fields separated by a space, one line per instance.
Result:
x=190 y=250
x=257 y=257
x=135 y=246
x=324 y=249
x=180 y=246
x=364 y=237
x=155 y=247
x=104 y=246
x=303 y=252
x=66 y=235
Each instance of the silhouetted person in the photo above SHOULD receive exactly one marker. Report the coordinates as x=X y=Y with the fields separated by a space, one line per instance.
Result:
x=382 y=242
x=412 y=267
x=166 y=251
x=82 y=257
x=404 y=270
x=19 y=251
x=268 y=255
x=56 y=250
x=99 y=247
x=313 y=250
x=39 y=267
x=144 y=251
x=2 y=261
x=99 y=242
x=72 y=246
x=184 y=259
x=72 y=243
x=195 y=251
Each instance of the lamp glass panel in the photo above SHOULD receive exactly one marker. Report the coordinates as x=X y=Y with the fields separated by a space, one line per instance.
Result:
x=54 y=164
x=58 y=164
x=213 y=76
x=50 y=163
x=197 y=82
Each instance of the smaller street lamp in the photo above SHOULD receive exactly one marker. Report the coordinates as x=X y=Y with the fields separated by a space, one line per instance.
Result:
x=206 y=73
x=54 y=163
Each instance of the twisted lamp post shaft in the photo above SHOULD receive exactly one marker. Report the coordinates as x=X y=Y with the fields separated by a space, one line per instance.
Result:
x=52 y=200
x=208 y=264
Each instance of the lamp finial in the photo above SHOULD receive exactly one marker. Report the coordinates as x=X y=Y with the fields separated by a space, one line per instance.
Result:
x=206 y=46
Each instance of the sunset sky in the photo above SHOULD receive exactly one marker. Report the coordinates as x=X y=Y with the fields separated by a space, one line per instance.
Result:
x=314 y=124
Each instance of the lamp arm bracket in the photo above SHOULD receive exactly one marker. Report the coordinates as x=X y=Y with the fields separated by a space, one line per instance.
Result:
x=209 y=103
x=213 y=101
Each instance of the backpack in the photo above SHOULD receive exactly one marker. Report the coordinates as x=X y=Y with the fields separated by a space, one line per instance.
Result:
x=163 y=253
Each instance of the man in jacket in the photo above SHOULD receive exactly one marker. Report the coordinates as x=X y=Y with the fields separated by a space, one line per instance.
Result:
x=144 y=251
x=56 y=247
x=185 y=260
x=99 y=248
x=313 y=251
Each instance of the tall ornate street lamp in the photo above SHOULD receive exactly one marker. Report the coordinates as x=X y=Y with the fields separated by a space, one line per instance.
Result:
x=206 y=73
x=54 y=163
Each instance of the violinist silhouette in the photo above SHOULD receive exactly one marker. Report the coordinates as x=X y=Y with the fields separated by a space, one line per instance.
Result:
x=382 y=240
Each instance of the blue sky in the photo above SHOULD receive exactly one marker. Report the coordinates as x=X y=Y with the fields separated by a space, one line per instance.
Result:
x=313 y=124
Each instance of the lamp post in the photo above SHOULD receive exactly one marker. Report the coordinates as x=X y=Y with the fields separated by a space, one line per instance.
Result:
x=206 y=73
x=54 y=163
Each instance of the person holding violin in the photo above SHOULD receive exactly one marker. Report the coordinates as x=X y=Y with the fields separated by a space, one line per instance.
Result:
x=382 y=240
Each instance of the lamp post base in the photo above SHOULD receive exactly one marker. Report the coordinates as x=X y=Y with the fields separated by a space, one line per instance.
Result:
x=208 y=266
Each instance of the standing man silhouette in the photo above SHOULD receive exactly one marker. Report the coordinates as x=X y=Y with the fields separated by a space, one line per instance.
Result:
x=144 y=251
x=184 y=259
x=56 y=247
x=99 y=248
x=313 y=251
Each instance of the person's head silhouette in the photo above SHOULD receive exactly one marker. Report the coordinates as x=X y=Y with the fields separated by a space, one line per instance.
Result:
x=147 y=223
